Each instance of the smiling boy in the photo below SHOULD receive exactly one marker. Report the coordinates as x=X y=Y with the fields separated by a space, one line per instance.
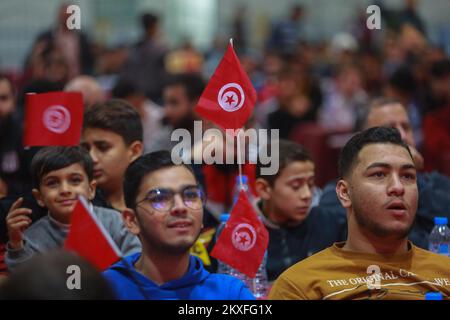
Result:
x=60 y=175
x=165 y=210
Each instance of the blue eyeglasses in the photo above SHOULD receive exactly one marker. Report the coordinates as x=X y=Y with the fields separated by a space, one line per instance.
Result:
x=163 y=199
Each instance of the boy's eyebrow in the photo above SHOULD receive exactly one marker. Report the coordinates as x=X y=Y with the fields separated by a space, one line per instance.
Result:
x=301 y=176
x=388 y=166
x=48 y=177
x=172 y=189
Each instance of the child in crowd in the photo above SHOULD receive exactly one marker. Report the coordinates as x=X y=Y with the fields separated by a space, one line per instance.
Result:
x=287 y=205
x=112 y=133
x=60 y=175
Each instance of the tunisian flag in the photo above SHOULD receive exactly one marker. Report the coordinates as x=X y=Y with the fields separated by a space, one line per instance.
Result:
x=89 y=239
x=229 y=97
x=243 y=241
x=53 y=119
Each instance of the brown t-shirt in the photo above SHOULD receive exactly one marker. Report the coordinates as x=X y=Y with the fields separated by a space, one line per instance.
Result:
x=337 y=274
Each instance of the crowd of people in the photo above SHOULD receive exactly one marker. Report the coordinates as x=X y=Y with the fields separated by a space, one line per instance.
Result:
x=389 y=98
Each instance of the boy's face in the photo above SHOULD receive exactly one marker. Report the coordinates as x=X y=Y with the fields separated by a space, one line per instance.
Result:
x=173 y=231
x=177 y=107
x=110 y=155
x=289 y=199
x=59 y=191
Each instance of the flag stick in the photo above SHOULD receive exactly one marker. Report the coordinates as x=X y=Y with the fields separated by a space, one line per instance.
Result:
x=239 y=160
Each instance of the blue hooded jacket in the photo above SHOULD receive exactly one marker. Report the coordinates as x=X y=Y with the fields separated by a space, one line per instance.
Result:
x=196 y=284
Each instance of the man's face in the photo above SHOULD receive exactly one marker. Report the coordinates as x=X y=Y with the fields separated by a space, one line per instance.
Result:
x=383 y=190
x=59 y=190
x=292 y=192
x=394 y=116
x=6 y=99
x=177 y=107
x=110 y=155
x=175 y=230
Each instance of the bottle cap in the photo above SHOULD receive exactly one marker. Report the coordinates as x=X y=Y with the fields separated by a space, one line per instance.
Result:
x=440 y=220
x=244 y=179
x=433 y=296
x=443 y=248
x=224 y=217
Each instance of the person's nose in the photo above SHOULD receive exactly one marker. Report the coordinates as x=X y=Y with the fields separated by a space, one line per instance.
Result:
x=94 y=156
x=395 y=187
x=178 y=208
x=64 y=188
x=305 y=193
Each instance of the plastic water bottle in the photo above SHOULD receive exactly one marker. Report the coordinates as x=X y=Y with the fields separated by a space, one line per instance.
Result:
x=257 y=285
x=223 y=267
x=440 y=236
x=260 y=283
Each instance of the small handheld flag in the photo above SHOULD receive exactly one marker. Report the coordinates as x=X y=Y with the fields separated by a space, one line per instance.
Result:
x=53 y=119
x=229 y=97
x=243 y=241
x=89 y=239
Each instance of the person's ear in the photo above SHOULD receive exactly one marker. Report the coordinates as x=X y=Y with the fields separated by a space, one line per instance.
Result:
x=92 y=188
x=38 y=196
x=343 y=193
x=263 y=189
x=135 y=150
x=130 y=221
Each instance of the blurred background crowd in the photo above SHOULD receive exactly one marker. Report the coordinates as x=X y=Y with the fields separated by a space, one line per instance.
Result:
x=315 y=65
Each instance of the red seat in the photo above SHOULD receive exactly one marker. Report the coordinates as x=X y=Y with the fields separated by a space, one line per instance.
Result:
x=324 y=148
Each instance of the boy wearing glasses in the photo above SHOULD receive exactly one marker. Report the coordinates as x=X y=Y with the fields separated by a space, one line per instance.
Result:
x=165 y=210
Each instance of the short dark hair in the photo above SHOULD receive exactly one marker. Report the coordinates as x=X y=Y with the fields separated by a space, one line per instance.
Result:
x=115 y=115
x=149 y=20
x=440 y=69
x=193 y=84
x=352 y=148
x=403 y=80
x=288 y=152
x=124 y=89
x=140 y=168
x=363 y=113
x=57 y=157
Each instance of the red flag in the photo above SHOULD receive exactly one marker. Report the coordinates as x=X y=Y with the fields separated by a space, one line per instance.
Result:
x=229 y=97
x=244 y=239
x=53 y=119
x=89 y=239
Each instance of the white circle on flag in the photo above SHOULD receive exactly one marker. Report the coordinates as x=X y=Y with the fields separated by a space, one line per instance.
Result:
x=243 y=237
x=56 y=119
x=231 y=97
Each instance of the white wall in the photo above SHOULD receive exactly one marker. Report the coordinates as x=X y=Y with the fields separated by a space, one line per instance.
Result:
x=113 y=21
